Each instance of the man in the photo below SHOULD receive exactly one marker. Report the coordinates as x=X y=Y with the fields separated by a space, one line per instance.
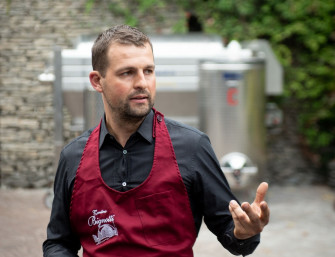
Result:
x=139 y=184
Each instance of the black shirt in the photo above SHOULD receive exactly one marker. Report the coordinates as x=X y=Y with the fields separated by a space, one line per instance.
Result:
x=125 y=168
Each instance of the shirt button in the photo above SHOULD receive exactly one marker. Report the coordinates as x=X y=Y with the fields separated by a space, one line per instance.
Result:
x=125 y=152
x=124 y=184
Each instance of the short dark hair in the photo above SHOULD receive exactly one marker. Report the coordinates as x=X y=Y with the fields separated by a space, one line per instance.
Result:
x=121 y=34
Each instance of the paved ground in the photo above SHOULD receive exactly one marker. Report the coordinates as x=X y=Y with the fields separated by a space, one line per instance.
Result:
x=302 y=224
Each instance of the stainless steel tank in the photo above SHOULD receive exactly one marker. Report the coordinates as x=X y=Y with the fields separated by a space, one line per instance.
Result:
x=232 y=112
x=93 y=108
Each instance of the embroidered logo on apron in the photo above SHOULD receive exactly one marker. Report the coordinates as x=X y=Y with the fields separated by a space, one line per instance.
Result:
x=106 y=226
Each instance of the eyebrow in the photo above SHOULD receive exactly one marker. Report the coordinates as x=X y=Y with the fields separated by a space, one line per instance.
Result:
x=134 y=68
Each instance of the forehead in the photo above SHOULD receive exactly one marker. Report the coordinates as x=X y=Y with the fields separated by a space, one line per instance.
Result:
x=122 y=52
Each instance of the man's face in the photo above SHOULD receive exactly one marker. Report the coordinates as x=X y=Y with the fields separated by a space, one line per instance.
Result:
x=129 y=86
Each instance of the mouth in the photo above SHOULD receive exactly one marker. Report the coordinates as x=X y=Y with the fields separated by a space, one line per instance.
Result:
x=139 y=98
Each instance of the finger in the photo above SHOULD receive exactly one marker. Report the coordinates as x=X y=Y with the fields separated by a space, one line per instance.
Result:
x=265 y=213
x=232 y=212
x=233 y=205
x=261 y=192
x=252 y=214
x=237 y=211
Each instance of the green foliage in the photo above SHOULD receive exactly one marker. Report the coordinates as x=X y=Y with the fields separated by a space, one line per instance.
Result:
x=131 y=10
x=89 y=5
x=302 y=34
x=8 y=5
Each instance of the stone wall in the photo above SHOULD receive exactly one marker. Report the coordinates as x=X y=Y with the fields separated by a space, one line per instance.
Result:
x=29 y=31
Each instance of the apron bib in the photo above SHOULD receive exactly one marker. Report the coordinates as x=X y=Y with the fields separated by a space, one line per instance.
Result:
x=151 y=220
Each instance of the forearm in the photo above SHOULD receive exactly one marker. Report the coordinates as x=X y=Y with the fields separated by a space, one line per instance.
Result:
x=53 y=248
x=215 y=196
x=61 y=240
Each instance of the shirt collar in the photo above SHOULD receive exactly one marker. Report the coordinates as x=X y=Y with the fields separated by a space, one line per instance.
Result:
x=145 y=129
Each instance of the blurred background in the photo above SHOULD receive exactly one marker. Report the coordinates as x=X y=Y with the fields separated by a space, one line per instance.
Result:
x=257 y=76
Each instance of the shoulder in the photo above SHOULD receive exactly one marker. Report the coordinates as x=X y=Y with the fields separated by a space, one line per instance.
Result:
x=185 y=137
x=76 y=145
x=178 y=129
x=70 y=158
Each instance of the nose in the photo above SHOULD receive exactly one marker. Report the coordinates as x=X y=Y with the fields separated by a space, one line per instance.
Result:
x=140 y=81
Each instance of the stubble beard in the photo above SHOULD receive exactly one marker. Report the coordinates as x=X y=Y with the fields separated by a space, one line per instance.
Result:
x=127 y=113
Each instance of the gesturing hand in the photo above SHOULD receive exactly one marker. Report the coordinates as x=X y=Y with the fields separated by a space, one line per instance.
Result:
x=249 y=219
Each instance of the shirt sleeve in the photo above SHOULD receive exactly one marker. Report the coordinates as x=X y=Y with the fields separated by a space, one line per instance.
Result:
x=61 y=241
x=216 y=195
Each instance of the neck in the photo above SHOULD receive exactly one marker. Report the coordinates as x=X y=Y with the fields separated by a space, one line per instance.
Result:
x=121 y=130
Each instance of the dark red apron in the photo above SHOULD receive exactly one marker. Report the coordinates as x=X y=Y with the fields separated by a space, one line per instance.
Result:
x=151 y=220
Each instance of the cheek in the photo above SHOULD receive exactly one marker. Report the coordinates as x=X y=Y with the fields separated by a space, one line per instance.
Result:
x=153 y=84
x=153 y=95
x=113 y=90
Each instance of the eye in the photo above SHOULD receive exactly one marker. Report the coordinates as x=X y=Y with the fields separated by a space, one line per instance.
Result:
x=126 y=73
x=148 y=71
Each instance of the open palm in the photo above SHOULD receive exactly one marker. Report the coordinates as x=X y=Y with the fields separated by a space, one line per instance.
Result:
x=250 y=219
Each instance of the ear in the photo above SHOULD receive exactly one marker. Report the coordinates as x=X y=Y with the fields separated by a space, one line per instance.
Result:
x=95 y=79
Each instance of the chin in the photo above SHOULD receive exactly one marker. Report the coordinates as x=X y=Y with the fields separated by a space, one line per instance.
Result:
x=139 y=112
